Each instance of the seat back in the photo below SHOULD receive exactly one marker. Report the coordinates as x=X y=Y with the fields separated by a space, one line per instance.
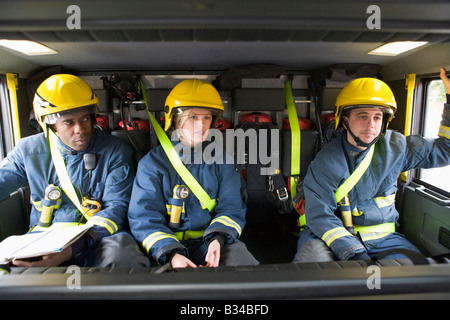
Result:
x=15 y=212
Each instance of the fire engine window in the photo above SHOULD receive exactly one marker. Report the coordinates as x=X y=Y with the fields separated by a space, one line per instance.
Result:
x=435 y=98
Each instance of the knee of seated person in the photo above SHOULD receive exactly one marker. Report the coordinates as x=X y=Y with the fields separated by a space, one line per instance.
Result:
x=314 y=251
x=237 y=254
x=120 y=250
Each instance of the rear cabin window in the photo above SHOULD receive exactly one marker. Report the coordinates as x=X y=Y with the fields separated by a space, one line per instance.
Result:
x=435 y=99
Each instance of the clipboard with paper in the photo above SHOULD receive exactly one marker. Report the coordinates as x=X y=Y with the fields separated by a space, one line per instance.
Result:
x=37 y=244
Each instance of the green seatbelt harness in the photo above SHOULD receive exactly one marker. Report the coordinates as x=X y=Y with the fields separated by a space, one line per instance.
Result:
x=295 y=138
x=61 y=170
x=295 y=147
x=179 y=166
x=351 y=181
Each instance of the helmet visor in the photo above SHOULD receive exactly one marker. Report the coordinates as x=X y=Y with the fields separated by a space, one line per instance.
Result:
x=53 y=118
x=384 y=109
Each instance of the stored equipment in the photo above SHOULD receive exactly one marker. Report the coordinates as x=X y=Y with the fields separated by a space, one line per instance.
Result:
x=346 y=214
x=49 y=204
x=179 y=194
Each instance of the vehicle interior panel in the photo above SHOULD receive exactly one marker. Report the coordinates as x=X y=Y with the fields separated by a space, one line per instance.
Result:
x=248 y=50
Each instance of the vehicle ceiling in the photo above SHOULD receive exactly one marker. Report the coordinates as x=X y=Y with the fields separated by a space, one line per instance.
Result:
x=200 y=35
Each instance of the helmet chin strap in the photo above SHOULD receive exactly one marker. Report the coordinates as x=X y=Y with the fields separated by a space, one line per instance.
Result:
x=358 y=141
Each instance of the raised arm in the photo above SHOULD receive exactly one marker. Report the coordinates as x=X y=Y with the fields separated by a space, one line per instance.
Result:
x=445 y=80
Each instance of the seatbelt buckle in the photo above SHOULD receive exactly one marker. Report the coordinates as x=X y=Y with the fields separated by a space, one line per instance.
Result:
x=282 y=194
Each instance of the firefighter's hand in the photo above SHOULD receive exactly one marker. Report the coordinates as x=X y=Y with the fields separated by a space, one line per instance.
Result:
x=50 y=260
x=180 y=261
x=445 y=80
x=213 y=256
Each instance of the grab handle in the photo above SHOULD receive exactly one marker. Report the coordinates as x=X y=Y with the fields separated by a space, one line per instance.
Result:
x=433 y=196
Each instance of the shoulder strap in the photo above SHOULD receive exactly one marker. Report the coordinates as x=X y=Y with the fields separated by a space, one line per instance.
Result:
x=175 y=160
x=61 y=170
x=351 y=181
x=295 y=137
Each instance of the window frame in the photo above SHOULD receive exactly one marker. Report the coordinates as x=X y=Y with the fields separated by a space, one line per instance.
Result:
x=6 y=129
x=418 y=124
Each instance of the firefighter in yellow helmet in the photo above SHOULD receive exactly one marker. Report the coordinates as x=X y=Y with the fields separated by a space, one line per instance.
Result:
x=197 y=236
x=365 y=93
x=192 y=98
x=62 y=94
x=98 y=165
x=364 y=108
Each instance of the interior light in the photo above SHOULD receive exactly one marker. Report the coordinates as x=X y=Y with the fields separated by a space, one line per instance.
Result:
x=30 y=48
x=396 y=48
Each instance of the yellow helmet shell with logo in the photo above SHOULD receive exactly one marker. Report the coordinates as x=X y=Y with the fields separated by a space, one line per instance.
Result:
x=366 y=92
x=191 y=93
x=62 y=93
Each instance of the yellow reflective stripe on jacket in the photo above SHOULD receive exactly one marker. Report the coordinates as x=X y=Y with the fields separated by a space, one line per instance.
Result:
x=104 y=222
x=154 y=237
x=385 y=201
x=333 y=234
x=373 y=235
x=188 y=234
x=375 y=232
x=384 y=227
x=444 y=131
x=228 y=222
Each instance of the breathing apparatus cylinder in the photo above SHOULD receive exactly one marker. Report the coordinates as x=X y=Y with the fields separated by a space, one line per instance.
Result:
x=50 y=202
x=179 y=194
